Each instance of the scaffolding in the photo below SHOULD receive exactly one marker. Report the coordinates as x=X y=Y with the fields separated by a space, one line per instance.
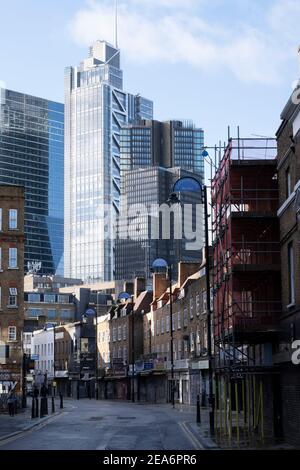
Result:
x=246 y=281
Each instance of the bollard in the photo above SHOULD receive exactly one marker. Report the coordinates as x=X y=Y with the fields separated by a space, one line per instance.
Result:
x=198 y=410
x=42 y=408
x=53 y=405
x=36 y=407
x=61 y=401
x=33 y=409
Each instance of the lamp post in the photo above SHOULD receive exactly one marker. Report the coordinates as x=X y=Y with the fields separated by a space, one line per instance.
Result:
x=124 y=297
x=96 y=351
x=158 y=265
x=24 y=370
x=54 y=382
x=192 y=185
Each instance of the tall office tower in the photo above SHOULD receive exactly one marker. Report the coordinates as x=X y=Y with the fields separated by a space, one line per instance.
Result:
x=167 y=144
x=96 y=107
x=32 y=155
x=136 y=249
x=154 y=155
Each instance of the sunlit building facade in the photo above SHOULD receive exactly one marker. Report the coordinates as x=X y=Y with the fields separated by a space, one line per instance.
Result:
x=96 y=108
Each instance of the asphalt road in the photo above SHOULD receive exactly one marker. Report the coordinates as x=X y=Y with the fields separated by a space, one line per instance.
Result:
x=103 y=425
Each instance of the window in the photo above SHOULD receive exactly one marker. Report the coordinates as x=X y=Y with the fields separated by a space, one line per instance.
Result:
x=12 y=333
x=51 y=314
x=124 y=332
x=179 y=321
x=173 y=322
x=13 y=258
x=162 y=325
x=114 y=333
x=185 y=318
x=34 y=298
x=63 y=299
x=197 y=304
x=191 y=308
x=119 y=333
x=288 y=182
x=157 y=327
x=66 y=315
x=49 y=298
x=13 y=219
x=12 y=298
x=33 y=312
x=0 y=219
x=167 y=324
x=291 y=268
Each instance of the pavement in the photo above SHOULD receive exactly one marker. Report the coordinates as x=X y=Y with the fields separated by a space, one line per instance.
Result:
x=22 y=421
x=107 y=425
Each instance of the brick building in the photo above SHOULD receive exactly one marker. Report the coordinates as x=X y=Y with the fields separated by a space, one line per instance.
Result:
x=11 y=287
x=189 y=323
x=288 y=138
x=120 y=344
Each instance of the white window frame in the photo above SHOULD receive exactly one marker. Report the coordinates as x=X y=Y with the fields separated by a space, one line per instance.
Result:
x=13 y=221
x=10 y=336
x=13 y=258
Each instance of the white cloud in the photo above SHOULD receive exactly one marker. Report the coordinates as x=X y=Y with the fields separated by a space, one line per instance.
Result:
x=171 y=31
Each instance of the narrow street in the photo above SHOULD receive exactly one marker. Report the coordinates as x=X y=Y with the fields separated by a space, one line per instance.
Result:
x=103 y=425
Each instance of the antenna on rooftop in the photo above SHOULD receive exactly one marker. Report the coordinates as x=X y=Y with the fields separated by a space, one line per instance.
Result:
x=116 y=24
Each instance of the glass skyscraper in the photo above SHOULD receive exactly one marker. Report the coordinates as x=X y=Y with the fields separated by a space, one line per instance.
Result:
x=153 y=156
x=96 y=108
x=32 y=155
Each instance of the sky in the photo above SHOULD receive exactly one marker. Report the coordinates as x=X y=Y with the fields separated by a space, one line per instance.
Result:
x=217 y=62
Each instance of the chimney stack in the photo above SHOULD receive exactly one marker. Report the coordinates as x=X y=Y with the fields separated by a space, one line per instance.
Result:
x=139 y=286
x=186 y=270
x=160 y=284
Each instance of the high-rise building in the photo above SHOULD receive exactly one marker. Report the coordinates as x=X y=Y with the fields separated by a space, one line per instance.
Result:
x=136 y=248
x=96 y=107
x=153 y=156
x=167 y=144
x=31 y=155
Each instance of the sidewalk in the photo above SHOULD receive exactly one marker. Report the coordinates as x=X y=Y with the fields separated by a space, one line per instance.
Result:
x=21 y=422
x=201 y=433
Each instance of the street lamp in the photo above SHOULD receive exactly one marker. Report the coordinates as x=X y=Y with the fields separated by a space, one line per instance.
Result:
x=192 y=185
x=158 y=265
x=124 y=297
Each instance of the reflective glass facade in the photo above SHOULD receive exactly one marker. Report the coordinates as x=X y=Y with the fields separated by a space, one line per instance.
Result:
x=153 y=156
x=135 y=254
x=32 y=155
x=96 y=107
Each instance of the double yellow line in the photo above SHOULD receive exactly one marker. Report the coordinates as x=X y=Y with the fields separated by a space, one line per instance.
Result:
x=196 y=443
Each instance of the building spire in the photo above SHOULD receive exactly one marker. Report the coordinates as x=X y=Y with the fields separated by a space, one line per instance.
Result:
x=116 y=24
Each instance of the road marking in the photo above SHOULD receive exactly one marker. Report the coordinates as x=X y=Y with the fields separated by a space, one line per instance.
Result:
x=196 y=443
x=31 y=430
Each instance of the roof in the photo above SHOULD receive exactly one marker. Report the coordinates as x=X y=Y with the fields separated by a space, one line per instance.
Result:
x=143 y=301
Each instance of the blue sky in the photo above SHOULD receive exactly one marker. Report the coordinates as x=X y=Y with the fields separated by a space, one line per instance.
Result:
x=218 y=62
